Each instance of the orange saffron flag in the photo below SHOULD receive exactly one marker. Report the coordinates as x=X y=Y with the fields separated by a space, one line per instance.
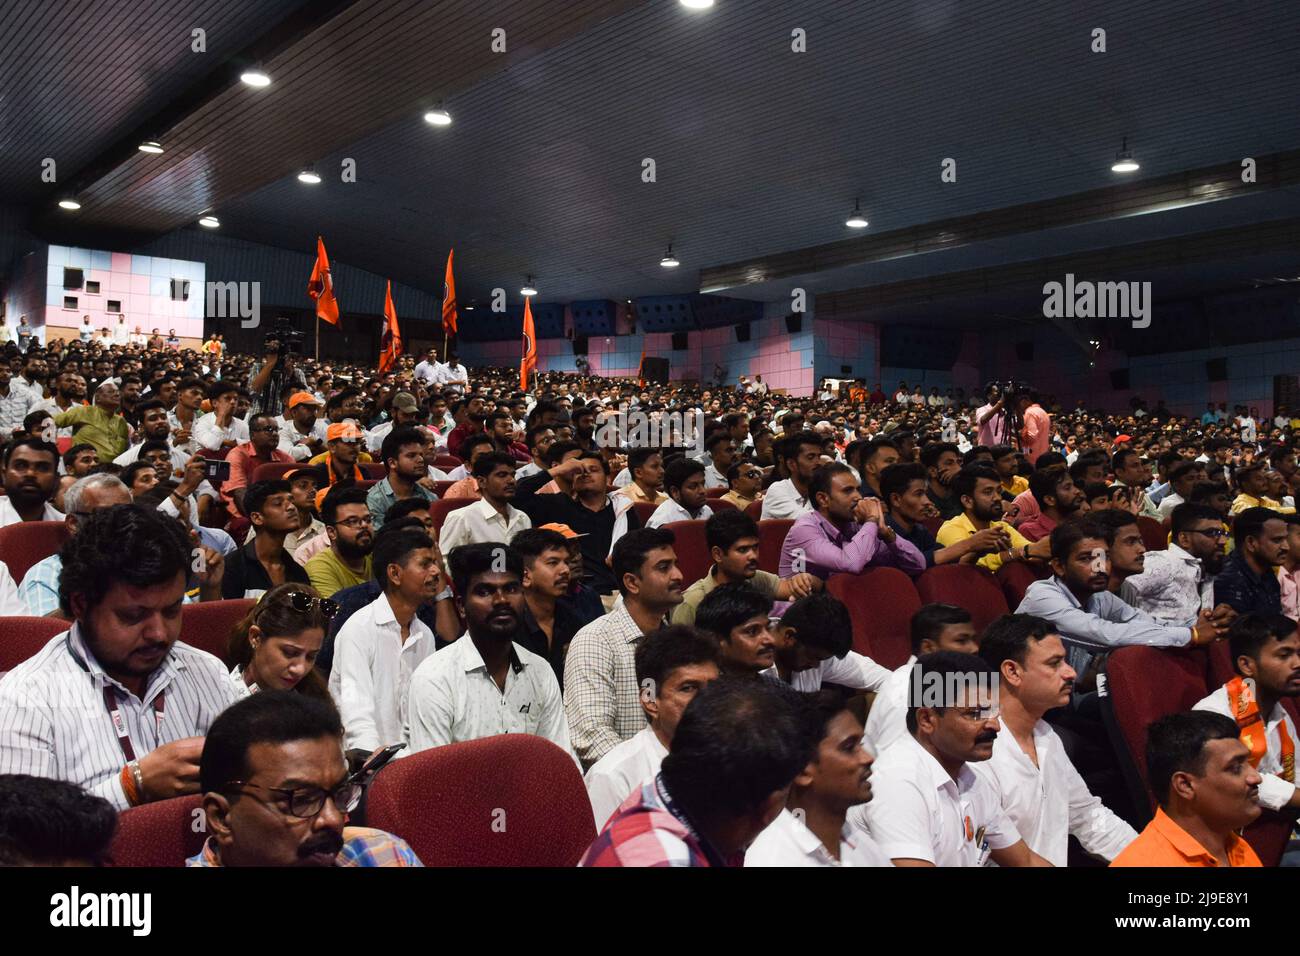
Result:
x=529 y=362
x=321 y=286
x=449 y=299
x=390 y=344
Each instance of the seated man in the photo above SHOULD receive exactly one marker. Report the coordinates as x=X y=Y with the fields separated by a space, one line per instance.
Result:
x=732 y=537
x=403 y=456
x=745 y=480
x=52 y=823
x=88 y=708
x=349 y=528
x=903 y=491
x=684 y=482
x=1207 y=790
x=978 y=489
x=645 y=468
x=1040 y=789
x=738 y=616
x=935 y=627
x=812 y=829
x=672 y=665
x=736 y=751
x=1248 y=582
x=1058 y=500
x=814 y=647
x=1266 y=654
x=493 y=518
x=1177 y=582
x=1254 y=480
x=547 y=623
x=260 y=449
x=845 y=533
x=263 y=563
x=1125 y=548
x=790 y=497
x=485 y=684
x=276 y=790
x=929 y=807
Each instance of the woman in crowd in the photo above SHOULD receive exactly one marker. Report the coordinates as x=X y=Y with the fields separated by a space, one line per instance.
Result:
x=275 y=646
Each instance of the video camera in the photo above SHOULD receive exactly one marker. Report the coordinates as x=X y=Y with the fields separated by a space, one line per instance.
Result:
x=289 y=341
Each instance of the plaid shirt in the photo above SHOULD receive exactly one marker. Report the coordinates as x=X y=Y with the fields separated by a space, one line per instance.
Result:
x=647 y=830
x=600 y=690
x=362 y=846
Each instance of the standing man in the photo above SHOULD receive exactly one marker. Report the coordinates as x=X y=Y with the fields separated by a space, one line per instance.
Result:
x=99 y=424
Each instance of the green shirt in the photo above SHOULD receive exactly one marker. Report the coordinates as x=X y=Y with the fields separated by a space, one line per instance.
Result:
x=329 y=575
x=106 y=432
x=765 y=581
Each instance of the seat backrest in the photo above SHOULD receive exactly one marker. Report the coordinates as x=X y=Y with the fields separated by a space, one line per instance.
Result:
x=881 y=602
x=1141 y=685
x=692 y=551
x=771 y=536
x=1014 y=577
x=1154 y=534
x=439 y=510
x=274 y=470
x=163 y=833
x=1219 y=669
x=440 y=488
x=22 y=637
x=447 y=462
x=721 y=504
x=643 y=509
x=372 y=469
x=754 y=509
x=965 y=585
x=26 y=542
x=932 y=524
x=715 y=492
x=508 y=800
x=207 y=626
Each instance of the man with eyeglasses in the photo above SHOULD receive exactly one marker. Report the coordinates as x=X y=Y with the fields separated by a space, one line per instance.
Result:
x=277 y=792
x=1177 y=582
x=260 y=449
x=350 y=529
x=745 y=479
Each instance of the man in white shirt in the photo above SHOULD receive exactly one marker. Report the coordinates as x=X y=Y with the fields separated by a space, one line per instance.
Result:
x=1265 y=650
x=454 y=377
x=789 y=498
x=220 y=429
x=1183 y=477
x=1178 y=582
x=492 y=517
x=302 y=432
x=814 y=647
x=121 y=334
x=935 y=627
x=672 y=665
x=379 y=647
x=684 y=482
x=484 y=684
x=31 y=478
x=929 y=808
x=722 y=451
x=427 y=372
x=812 y=829
x=1040 y=789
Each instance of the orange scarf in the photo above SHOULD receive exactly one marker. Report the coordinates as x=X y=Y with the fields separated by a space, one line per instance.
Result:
x=1245 y=709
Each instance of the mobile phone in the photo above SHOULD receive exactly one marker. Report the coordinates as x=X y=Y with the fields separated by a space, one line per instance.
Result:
x=218 y=469
x=376 y=763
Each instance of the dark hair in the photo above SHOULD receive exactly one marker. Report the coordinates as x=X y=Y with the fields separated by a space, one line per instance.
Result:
x=154 y=444
x=1183 y=467
x=257 y=493
x=275 y=615
x=490 y=462
x=932 y=452
x=220 y=388
x=1050 y=459
x=127 y=543
x=34 y=442
x=404 y=508
x=1079 y=470
x=822 y=478
x=739 y=741
x=71 y=454
x=679 y=471
x=1118 y=459
x=1250 y=524
x=531 y=543
x=530 y=435
x=930 y=620
x=1203 y=491
x=394 y=548
x=46 y=822
x=1001 y=451
x=1107 y=524
x=637 y=458
x=399 y=438
x=631 y=550
x=555 y=454
x=822 y=621
x=337 y=497
x=1095 y=489
x=130 y=472
x=945 y=664
x=1007 y=638
x=1251 y=632
x=1186 y=515
x=730 y=606
x=1044 y=482
x=663 y=651
x=1066 y=535
x=790 y=445
x=1176 y=744
x=724 y=528
x=268 y=717
x=895 y=479
x=963 y=483
x=471 y=560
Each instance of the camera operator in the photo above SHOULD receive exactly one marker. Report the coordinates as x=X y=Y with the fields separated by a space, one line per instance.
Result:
x=990 y=417
x=279 y=370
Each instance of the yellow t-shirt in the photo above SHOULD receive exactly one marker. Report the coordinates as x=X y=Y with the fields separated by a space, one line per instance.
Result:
x=960 y=527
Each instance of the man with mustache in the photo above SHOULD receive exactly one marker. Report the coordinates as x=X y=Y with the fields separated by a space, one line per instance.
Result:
x=276 y=790
x=99 y=424
x=349 y=529
x=942 y=461
x=1177 y=582
x=493 y=517
x=1058 y=500
x=929 y=807
x=1207 y=790
x=979 y=489
x=548 y=623
x=1266 y=653
x=738 y=616
x=31 y=478
x=684 y=480
x=402 y=452
x=116 y=704
x=484 y=684
x=1039 y=788
x=812 y=829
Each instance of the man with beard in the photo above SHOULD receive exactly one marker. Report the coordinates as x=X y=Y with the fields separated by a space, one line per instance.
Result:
x=276 y=790
x=684 y=480
x=31 y=478
x=344 y=443
x=549 y=623
x=1058 y=500
x=115 y=704
x=1124 y=545
x=942 y=461
x=154 y=426
x=186 y=414
x=485 y=684
x=1266 y=653
x=260 y=449
x=1038 y=786
x=469 y=415
x=17 y=401
x=812 y=830
x=1248 y=581
x=492 y=517
x=99 y=424
x=929 y=807
x=131 y=386
x=979 y=490
x=349 y=527
x=69 y=391
x=35 y=372
x=1176 y=583
x=1207 y=791
x=302 y=434
x=790 y=497
x=903 y=487
x=263 y=563
x=382 y=645
x=403 y=455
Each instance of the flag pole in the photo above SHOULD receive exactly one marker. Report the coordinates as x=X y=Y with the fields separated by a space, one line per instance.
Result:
x=318 y=338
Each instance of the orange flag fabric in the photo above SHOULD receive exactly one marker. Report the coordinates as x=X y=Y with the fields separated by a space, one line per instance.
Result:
x=390 y=344
x=449 y=299
x=321 y=286
x=529 y=362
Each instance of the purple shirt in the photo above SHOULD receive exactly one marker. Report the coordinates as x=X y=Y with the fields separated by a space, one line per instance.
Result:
x=827 y=550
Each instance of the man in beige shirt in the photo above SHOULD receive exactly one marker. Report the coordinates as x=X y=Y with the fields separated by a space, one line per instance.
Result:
x=746 y=481
x=647 y=469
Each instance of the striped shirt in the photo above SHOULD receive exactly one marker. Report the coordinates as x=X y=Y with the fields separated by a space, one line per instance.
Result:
x=53 y=720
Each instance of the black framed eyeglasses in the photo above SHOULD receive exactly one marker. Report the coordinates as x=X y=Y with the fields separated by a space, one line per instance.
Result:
x=302 y=602
x=354 y=522
x=305 y=802
x=1218 y=534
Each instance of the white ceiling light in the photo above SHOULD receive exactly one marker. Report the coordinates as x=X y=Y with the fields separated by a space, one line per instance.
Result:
x=697 y=4
x=669 y=261
x=255 y=77
x=438 y=117
x=856 y=220
x=528 y=288
x=69 y=203
x=309 y=176
x=150 y=146
x=1124 y=161
x=209 y=222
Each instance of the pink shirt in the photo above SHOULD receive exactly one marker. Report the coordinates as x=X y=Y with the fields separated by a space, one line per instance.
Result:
x=1036 y=433
x=992 y=431
x=1290 y=581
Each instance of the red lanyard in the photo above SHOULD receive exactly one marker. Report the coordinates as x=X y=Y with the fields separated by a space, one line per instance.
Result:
x=119 y=724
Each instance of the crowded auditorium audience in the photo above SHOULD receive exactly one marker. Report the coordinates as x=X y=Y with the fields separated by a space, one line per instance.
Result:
x=837 y=630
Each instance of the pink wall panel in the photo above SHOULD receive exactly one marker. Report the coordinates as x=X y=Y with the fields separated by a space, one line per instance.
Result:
x=139 y=285
x=122 y=262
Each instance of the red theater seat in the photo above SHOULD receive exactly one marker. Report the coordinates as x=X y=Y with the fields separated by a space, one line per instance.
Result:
x=755 y=510
x=373 y=470
x=207 y=626
x=965 y=585
x=644 y=510
x=275 y=470
x=440 y=488
x=439 y=510
x=692 y=552
x=508 y=800
x=28 y=542
x=447 y=462
x=721 y=504
x=715 y=492
x=160 y=834
x=22 y=637
x=932 y=524
x=1154 y=534
x=771 y=536
x=881 y=602
x=1014 y=578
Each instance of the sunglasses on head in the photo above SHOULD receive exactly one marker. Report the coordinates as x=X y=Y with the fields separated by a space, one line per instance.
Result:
x=302 y=602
